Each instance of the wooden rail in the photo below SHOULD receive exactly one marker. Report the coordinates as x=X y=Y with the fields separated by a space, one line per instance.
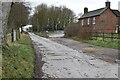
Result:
x=106 y=36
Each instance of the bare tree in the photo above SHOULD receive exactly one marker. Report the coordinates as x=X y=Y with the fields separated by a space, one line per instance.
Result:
x=18 y=16
x=51 y=18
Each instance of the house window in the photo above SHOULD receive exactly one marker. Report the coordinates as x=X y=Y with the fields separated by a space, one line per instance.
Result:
x=82 y=22
x=94 y=20
x=88 y=21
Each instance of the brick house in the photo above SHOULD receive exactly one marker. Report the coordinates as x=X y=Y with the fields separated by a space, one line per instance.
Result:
x=101 y=20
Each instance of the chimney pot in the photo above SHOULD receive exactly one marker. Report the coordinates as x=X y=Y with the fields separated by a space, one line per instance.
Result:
x=85 y=10
x=107 y=3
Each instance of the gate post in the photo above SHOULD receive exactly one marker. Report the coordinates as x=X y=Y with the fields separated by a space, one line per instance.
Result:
x=118 y=29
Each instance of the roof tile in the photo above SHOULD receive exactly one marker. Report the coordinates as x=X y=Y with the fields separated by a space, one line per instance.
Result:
x=98 y=12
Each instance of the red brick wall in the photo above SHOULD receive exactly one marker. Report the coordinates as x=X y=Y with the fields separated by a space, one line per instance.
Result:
x=89 y=27
x=107 y=22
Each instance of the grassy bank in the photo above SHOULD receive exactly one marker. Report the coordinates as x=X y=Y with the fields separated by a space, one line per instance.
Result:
x=109 y=44
x=18 y=61
x=0 y=62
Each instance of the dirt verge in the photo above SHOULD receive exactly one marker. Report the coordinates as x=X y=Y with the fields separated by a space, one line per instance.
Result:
x=38 y=62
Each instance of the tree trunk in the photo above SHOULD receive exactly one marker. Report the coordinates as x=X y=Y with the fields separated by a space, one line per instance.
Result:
x=12 y=35
x=18 y=33
x=5 y=8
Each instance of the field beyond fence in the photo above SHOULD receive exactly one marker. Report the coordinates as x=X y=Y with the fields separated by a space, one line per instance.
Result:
x=105 y=36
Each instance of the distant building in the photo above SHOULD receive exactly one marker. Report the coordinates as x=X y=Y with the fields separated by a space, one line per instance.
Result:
x=27 y=27
x=100 y=20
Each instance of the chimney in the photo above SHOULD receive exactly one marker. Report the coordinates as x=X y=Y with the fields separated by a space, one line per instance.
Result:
x=85 y=10
x=107 y=3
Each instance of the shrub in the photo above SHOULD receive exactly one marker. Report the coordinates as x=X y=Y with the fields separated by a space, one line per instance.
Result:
x=71 y=30
x=85 y=35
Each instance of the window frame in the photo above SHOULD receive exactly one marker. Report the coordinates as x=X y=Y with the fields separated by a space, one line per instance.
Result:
x=88 y=21
x=82 y=22
x=94 y=20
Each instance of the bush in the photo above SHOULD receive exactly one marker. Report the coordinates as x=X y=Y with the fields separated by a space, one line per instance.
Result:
x=85 y=35
x=71 y=30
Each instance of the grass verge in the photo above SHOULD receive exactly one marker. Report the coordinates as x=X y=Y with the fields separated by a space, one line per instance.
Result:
x=109 y=44
x=0 y=62
x=18 y=62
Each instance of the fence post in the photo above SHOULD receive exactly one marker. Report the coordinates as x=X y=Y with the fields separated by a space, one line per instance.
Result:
x=103 y=36
x=96 y=35
x=111 y=36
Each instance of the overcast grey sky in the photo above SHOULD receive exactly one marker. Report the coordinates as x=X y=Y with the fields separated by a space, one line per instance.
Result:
x=77 y=5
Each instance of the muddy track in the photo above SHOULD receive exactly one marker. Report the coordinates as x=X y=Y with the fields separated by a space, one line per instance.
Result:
x=38 y=62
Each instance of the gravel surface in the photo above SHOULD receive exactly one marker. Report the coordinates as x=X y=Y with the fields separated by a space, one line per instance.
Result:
x=106 y=54
x=61 y=61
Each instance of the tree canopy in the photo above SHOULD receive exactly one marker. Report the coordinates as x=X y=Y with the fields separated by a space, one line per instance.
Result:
x=18 y=16
x=51 y=18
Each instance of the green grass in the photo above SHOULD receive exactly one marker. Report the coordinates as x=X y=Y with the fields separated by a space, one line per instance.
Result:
x=18 y=62
x=0 y=62
x=109 y=44
x=107 y=35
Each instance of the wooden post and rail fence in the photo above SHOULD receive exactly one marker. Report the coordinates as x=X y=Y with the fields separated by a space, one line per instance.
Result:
x=105 y=36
